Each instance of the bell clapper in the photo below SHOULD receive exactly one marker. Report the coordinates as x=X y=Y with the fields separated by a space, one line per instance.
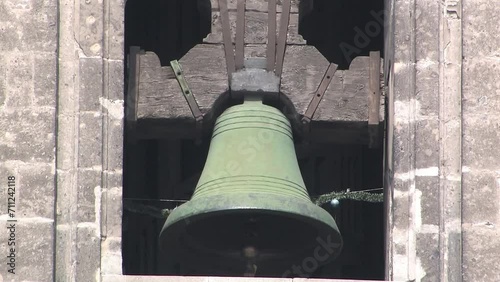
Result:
x=250 y=254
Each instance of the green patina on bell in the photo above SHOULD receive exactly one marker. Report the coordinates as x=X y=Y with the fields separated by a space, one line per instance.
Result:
x=250 y=196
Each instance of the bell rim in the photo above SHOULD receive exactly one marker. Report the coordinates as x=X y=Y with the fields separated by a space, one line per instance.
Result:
x=295 y=208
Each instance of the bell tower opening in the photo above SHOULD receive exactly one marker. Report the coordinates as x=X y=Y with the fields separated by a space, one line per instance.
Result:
x=161 y=174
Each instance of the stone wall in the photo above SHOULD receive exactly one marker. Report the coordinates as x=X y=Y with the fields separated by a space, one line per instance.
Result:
x=443 y=169
x=28 y=136
x=61 y=115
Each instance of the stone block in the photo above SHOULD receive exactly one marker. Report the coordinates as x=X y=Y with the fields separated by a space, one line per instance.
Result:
x=91 y=29
x=111 y=256
x=481 y=86
x=480 y=253
x=427 y=88
x=114 y=135
x=65 y=197
x=401 y=204
x=89 y=189
x=428 y=186
x=481 y=194
x=426 y=144
x=91 y=86
x=112 y=217
x=480 y=142
x=44 y=79
x=115 y=80
x=428 y=257
x=90 y=140
x=63 y=267
x=34 y=250
x=36 y=190
x=427 y=29
x=35 y=32
x=27 y=135
x=88 y=258
x=401 y=148
x=115 y=30
x=3 y=81
x=19 y=80
x=479 y=38
x=402 y=28
x=40 y=27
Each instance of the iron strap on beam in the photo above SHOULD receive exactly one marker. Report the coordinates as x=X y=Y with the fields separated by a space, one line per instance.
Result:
x=318 y=95
x=176 y=68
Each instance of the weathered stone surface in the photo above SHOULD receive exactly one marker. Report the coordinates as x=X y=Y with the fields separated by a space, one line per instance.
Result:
x=28 y=25
x=480 y=253
x=427 y=246
x=481 y=86
x=481 y=194
x=89 y=189
x=112 y=199
x=19 y=80
x=480 y=39
x=34 y=250
x=115 y=80
x=90 y=140
x=28 y=135
x=427 y=138
x=33 y=182
x=427 y=88
x=91 y=32
x=88 y=260
x=428 y=197
x=481 y=134
x=115 y=30
x=114 y=136
x=91 y=87
x=427 y=21
x=44 y=79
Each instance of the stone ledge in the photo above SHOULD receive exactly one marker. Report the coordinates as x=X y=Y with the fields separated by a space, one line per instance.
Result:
x=122 y=278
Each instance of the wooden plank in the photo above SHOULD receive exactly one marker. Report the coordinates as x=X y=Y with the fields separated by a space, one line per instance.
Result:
x=240 y=35
x=285 y=18
x=303 y=70
x=226 y=35
x=374 y=97
x=347 y=97
x=271 y=36
x=318 y=95
x=188 y=94
x=257 y=5
x=132 y=91
x=256 y=26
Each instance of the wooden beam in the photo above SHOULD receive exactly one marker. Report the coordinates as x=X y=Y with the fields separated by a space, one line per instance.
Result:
x=240 y=35
x=374 y=99
x=271 y=36
x=226 y=34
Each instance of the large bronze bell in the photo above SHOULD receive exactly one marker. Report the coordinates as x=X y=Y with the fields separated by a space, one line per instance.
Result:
x=250 y=213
